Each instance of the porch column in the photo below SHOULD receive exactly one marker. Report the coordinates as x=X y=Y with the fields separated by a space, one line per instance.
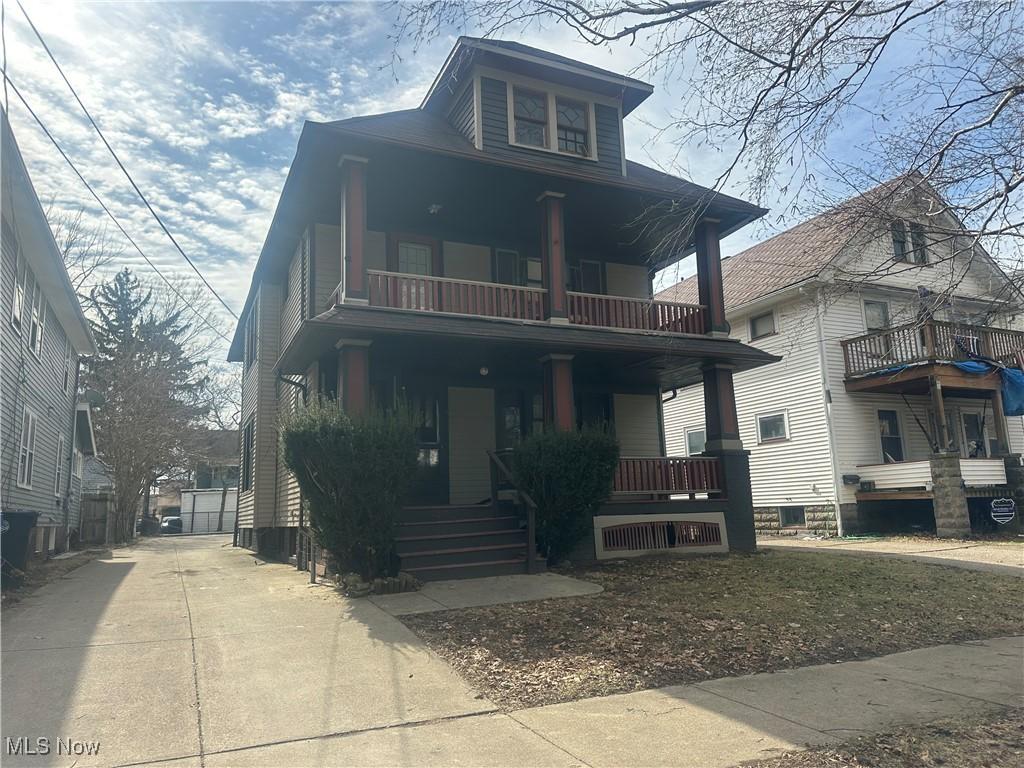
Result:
x=709 y=277
x=353 y=229
x=1002 y=428
x=939 y=406
x=722 y=441
x=559 y=407
x=354 y=375
x=553 y=256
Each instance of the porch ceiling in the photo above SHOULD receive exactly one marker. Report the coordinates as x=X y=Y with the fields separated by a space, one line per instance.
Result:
x=667 y=360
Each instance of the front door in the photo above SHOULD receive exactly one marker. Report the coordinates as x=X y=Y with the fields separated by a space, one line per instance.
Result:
x=471 y=435
x=976 y=435
x=428 y=413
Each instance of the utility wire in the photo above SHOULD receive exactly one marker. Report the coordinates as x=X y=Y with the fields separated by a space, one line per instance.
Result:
x=39 y=122
x=120 y=164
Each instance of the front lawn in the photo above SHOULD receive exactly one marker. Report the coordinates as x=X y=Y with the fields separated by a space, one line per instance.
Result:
x=674 y=620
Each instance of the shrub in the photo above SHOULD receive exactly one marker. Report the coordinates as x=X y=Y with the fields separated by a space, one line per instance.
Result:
x=569 y=475
x=355 y=474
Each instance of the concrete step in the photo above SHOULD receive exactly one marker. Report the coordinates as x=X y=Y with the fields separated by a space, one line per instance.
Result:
x=464 y=555
x=470 y=570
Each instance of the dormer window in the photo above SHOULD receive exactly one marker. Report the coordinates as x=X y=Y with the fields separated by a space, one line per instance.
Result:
x=543 y=120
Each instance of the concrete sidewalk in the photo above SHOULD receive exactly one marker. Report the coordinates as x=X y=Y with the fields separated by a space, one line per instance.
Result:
x=992 y=557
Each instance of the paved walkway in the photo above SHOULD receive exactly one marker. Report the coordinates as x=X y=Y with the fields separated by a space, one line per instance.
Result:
x=994 y=557
x=186 y=652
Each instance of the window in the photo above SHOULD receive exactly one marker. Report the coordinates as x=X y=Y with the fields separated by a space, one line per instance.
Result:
x=572 y=127
x=554 y=123
x=876 y=315
x=892 y=440
x=415 y=258
x=77 y=460
x=899 y=241
x=248 y=454
x=918 y=244
x=27 y=453
x=530 y=109
x=36 y=320
x=533 y=272
x=762 y=325
x=507 y=266
x=58 y=476
x=20 y=276
x=251 y=335
x=67 y=365
x=772 y=427
x=695 y=441
x=792 y=517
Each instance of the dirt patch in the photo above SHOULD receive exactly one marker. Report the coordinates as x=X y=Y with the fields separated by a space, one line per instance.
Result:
x=974 y=743
x=23 y=584
x=667 y=621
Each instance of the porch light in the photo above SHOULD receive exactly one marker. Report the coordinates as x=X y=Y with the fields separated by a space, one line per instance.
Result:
x=434 y=208
x=484 y=370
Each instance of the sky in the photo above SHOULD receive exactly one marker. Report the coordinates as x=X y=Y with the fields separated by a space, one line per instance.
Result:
x=204 y=103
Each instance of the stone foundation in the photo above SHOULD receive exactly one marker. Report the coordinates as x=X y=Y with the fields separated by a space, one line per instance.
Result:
x=818 y=519
x=952 y=520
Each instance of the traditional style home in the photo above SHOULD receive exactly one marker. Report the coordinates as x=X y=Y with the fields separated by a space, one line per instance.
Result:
x=886 y=409
x=44 y=431
x=487 y=259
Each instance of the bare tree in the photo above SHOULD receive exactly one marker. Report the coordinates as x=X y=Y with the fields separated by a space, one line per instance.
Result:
x=937 y=85
x=88 y=250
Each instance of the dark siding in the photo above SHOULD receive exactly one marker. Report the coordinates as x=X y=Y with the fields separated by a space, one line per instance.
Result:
x=494 y=114
x=462 y=116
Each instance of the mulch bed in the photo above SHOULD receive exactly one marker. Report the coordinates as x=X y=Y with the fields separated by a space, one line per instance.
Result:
x=665 y=621
x=976 y=743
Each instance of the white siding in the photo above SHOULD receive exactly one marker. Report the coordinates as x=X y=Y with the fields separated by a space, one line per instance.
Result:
x=627 y=280
x=467 y=262
x=798 y=470
x=471 y=435
x=636 y=425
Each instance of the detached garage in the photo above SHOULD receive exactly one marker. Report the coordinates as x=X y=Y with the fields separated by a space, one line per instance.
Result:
x=209 y=510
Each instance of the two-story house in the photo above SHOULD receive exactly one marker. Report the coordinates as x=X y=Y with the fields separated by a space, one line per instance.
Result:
x=487 y=259
x=44 y=431
x=881 y=414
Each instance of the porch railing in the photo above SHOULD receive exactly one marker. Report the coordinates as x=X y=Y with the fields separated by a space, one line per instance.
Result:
x=668 y=475
x=501 y=477
x=930 y=341
x=446 y=294
x=634 y=314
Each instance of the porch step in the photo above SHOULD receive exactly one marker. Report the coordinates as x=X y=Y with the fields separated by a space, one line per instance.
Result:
x=474 y=570
x=440 y=513
x=455 y=542
x=459 y=555
x=450 y=527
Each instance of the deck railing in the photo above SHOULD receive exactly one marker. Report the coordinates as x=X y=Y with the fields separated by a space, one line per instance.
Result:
x=930 y=341
x=446 y=294
x=634 y=314
x=668 y=475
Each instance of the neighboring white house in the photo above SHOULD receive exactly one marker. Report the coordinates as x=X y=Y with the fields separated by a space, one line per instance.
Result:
x=869 y=313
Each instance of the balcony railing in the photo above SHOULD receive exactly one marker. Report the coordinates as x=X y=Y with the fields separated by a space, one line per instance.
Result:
x=634 y=314
x=931 y=341
x=464 y=297
x=668 y=475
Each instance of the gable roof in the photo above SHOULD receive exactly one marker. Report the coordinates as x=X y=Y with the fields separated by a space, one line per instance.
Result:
x=803 y=251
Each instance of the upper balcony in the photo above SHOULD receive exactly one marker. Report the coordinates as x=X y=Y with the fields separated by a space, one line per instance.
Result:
x=426 y=293
x=907 y=353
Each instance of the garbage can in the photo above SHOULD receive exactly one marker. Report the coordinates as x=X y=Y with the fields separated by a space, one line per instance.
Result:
x=15 y=529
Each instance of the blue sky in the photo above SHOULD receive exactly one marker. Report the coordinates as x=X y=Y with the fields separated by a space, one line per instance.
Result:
x=204 y=102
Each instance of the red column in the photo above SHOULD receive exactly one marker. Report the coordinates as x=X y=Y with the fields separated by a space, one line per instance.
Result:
x=354 y=376
x=721 y=424
x=553 y=254
x=709 y=276
x=353 y=227
x=559 y=403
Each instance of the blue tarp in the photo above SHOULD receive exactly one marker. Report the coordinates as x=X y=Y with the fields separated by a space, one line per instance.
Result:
x=1012 y=384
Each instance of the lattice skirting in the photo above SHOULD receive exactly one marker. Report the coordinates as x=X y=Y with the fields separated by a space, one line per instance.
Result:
x=618 y=536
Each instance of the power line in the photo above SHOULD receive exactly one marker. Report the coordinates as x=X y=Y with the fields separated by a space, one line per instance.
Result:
x=39 y=122
x=120 y=164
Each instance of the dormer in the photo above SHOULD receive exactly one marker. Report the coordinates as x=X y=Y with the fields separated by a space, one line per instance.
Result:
x=523 y=103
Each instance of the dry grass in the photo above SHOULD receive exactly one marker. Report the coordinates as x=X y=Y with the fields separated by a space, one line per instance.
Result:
x=672 y=620
x=978 y=743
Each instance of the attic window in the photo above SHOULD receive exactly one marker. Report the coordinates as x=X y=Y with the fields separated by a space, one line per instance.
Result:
x=542 y=120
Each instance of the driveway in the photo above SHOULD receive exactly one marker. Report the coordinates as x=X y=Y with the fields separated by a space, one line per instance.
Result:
x=189 y=651
x=995 y=557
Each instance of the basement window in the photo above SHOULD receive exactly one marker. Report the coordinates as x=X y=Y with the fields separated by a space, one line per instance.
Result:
x=792 y=517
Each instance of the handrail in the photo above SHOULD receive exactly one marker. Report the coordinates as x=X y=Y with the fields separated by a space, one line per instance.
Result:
x=455 y=280
x=644 y=299
x=528 y=502
x=688 y=475
x=634 y=313
x=428 y=293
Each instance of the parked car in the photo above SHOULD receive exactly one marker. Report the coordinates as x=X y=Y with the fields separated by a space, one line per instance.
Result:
x=170 y=525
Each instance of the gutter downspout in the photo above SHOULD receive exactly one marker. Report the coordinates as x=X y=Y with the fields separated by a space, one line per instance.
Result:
x=71 y=461
x=826 y=392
